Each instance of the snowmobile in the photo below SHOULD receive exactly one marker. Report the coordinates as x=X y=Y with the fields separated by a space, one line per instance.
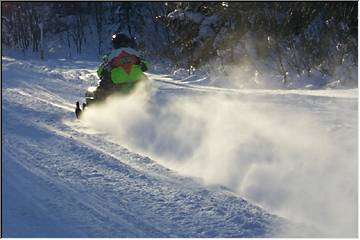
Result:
x=89 y=99
x=119 y=72
x=97 y=94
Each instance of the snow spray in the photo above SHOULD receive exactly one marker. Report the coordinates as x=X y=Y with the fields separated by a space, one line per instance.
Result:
x=291 y=160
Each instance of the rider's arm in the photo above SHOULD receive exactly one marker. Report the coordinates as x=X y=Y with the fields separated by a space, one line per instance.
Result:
x=103 y=66
x=144 y=65
x=100 y=71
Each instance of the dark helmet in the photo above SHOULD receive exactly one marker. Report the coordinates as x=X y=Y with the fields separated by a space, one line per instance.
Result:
x=122 y=40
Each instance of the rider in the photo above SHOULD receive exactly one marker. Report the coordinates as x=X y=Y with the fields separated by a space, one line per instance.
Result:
x=122 y=68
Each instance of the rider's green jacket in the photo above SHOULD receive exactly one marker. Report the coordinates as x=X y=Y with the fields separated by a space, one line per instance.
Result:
x=124 y=64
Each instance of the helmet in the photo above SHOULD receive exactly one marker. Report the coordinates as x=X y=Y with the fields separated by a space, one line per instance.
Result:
x=122 y=40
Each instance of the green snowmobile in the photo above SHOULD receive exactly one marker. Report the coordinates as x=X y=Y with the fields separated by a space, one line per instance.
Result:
x=119 y=73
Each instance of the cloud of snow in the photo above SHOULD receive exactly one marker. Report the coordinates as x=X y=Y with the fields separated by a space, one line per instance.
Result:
x=290 y=161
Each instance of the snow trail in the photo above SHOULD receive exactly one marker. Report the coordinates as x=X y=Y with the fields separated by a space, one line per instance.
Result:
x=68 y=179
x=61 y=181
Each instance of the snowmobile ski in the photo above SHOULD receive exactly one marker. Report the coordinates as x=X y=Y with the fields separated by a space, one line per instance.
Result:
x=78 y=110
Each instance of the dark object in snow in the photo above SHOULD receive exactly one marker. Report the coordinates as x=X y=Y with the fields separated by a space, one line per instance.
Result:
x=78 y=110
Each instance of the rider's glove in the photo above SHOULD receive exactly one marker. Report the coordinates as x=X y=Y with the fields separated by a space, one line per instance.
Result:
x=143 y=66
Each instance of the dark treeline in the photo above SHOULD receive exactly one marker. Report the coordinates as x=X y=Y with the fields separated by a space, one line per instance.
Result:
x=73 y=22
x=294 y=36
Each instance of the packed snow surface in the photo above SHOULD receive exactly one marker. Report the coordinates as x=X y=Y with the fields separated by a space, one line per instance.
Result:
x=104 y=177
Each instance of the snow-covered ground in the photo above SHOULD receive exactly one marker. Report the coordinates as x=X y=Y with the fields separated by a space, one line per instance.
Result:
x=189 y=161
